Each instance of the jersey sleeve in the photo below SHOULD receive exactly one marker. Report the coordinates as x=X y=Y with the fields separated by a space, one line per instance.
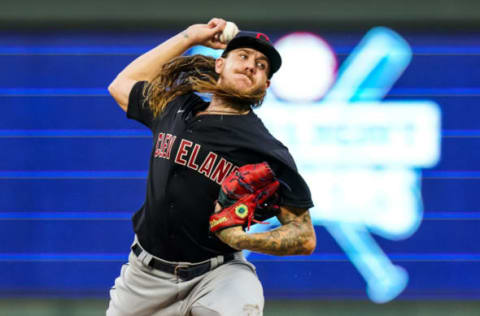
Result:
x=251 y=134
x=138 y=108
x=293 y=189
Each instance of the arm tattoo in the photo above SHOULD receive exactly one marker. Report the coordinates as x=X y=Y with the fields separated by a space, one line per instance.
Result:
x=294 y=237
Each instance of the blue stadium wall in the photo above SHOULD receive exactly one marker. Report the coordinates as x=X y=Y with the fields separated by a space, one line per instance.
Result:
x=72 y=171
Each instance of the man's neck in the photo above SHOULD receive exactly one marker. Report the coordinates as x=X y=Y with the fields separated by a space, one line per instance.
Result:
x=218 y=105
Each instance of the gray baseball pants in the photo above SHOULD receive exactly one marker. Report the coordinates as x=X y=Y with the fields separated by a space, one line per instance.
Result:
x=232 y=288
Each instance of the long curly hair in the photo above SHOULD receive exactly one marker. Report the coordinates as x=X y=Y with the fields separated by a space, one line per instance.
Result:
x=195 y=73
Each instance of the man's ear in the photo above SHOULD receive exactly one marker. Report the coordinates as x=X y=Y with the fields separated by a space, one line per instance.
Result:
x=219 y=64
x=268 y=83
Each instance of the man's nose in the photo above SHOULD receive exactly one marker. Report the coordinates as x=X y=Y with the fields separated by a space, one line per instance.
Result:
x=250 y=65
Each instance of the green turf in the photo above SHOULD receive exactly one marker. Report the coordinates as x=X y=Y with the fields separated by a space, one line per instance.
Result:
x=90 y=307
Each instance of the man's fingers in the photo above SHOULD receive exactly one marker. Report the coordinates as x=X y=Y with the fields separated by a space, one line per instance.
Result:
x=211 y=33
x=217 y=24
x=215 y=44
x=212 y=22
x=218 y=45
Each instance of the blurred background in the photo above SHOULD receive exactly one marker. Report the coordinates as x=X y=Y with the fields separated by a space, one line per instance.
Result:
x=381 y=121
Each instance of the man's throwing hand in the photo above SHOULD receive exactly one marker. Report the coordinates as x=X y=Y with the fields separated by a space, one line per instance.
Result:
x=207 y=34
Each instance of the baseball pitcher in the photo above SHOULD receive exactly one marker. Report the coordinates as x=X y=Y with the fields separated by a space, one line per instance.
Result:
x=215 y=170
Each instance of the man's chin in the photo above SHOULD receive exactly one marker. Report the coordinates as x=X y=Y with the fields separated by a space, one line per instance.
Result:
x=243 y=90
x=244 y=79
x=240 y=88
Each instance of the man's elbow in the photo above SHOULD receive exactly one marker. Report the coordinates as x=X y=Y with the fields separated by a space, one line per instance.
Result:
x=112 y=88
x=310 y=243
x=116 y=91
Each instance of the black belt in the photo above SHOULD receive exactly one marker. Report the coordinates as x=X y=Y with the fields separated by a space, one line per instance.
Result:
x=185 y=272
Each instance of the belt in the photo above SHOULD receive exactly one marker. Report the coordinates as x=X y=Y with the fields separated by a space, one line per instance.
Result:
x=184 y=271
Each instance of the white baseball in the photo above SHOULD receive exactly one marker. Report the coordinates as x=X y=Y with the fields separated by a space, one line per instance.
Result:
x=229 y=32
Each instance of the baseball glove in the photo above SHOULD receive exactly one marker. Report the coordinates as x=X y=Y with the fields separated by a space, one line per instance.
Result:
x=243 y=192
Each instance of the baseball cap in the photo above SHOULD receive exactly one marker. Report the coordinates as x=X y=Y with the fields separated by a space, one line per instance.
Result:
x=257 y=41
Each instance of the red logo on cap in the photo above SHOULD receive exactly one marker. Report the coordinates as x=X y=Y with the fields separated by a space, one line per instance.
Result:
x=265 y=37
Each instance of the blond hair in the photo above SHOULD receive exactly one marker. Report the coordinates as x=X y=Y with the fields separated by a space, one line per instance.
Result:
x=195 y=73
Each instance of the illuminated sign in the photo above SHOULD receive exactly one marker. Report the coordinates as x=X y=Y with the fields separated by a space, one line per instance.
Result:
x=306 y=73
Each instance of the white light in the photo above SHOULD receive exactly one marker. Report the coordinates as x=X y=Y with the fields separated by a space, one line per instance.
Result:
x=309 y=68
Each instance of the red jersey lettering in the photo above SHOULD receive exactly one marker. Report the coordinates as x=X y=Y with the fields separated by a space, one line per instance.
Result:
x=182 y=151
x=164 y=146
x=221 y=171
x=170 y=145
x=207 y=164
x=159 y=145
x=193 y=156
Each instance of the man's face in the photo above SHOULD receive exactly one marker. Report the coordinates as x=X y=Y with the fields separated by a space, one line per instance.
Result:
x=244 y=70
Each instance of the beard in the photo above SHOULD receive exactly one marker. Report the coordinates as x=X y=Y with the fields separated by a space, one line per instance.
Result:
x=238 y=98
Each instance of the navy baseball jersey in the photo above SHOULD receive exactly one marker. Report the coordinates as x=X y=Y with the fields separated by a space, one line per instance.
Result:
x=191 y=156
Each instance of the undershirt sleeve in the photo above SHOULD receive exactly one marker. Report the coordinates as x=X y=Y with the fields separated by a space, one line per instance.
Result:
x=138 y=108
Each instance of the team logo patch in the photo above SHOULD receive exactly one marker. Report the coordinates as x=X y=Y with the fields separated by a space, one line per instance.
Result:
x=241 y=211
x=263 y=36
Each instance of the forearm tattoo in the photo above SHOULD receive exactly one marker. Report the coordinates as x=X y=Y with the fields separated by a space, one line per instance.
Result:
x=294 y=237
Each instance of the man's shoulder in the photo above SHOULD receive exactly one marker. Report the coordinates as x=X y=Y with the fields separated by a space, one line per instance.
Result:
x=258 y=127
x=184 y=104
x=189 y=99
